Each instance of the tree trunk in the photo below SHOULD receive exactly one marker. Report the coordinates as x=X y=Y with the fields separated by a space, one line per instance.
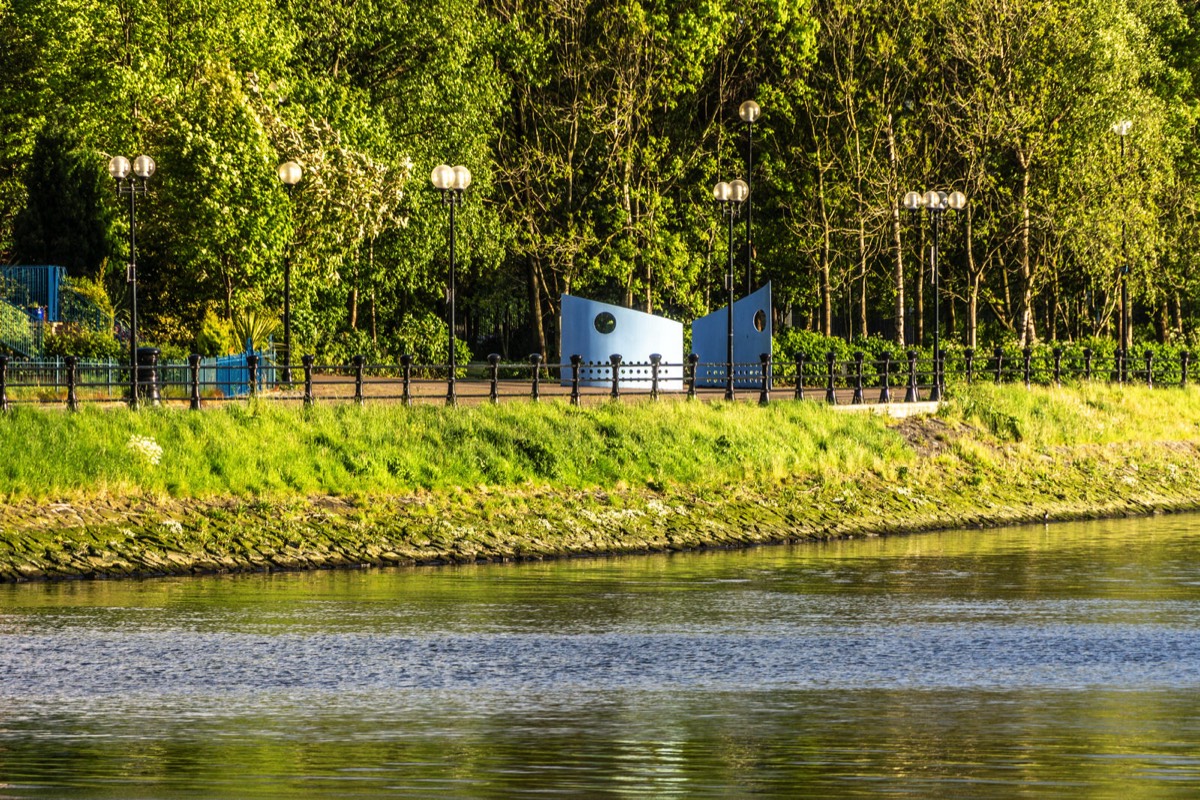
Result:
x=1028 y=333
x=897 y=244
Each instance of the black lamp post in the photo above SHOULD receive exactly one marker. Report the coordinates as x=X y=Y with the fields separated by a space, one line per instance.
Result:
x=132 y=185
x=451 y=182
x=289 y=174
x=936 y=204
x=1122 y=129
x=729 y=197
x=749 y=111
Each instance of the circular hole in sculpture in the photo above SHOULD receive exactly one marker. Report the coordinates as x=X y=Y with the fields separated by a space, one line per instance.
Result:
x=605 y=322
x=760 y=320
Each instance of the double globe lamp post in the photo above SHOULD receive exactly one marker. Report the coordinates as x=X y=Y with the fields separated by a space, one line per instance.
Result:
x=451 y=182
x=289 y=174
x=936 y=203
x=729 y=197
x=132 y=180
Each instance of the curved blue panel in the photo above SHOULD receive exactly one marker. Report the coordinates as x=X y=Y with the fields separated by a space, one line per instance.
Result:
x=595 y=331
x=710 y=341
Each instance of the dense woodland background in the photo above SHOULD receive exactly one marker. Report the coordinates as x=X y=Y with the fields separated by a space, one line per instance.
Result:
x=595 y=131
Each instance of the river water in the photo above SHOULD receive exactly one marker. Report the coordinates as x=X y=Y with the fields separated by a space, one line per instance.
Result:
x=1059 y=661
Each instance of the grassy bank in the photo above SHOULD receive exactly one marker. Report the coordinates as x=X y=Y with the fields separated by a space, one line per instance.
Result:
x=269 y=487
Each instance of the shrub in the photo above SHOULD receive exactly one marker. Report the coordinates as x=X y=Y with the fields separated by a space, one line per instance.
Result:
x=75 y=340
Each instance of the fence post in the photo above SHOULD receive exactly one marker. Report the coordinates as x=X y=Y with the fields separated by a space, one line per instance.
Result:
x=830 y=394
x=1058 y=353
x=358 y=378
x=194 y=380
x=535 y=359
x=252 y=373
x=694 y=361
x=72 y=376
x=406 y=374
x=764 y=393
x=1183 y=365
x=307 y=361
x=911 y=394
x=1087 y=363
x=999 y=356
x=885 y=368
x=1119 y=364
x=493 y=378
x=1149 y=368
x=576 y=359
x=3 y=383
x=1026 y=355
x=969 y=357
x=801 y=360
x=858 y=379
x=615 y=360
x=655 y=360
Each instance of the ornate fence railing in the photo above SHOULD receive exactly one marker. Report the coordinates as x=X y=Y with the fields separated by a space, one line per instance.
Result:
x=862 y=379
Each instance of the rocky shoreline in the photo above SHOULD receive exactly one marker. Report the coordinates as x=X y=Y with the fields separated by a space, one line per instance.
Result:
x=104 y=536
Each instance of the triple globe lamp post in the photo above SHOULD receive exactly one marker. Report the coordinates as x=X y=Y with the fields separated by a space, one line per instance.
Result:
x=935 y=203
x=132 y=180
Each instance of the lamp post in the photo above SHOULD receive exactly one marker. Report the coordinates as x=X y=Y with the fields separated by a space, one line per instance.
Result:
x=289 y=174
x=132 y=180
x=1122 y=129
x=935 y=203
x=451 y=182
x=729 y=197
x=749 y=111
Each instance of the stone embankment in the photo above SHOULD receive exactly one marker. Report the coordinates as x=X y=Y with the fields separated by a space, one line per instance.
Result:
x=946 y=487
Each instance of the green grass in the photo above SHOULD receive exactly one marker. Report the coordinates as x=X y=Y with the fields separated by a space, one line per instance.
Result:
x=1086 y=414
x=269 y=450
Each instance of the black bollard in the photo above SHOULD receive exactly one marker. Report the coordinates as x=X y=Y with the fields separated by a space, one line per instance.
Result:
x=801 y=360
x=655 y=360
x=999 y=356
x=147 y=373
x=615 y=361
x=72 y=363
x=830 y=394
x=885 y=369
x=194 y=380
x=494 y=377
x=1087 y=363
x=358 y=361
x=858 y=379
x=1058 y=354
x=252 y=373
x=969 y=357
x=912 y=393
x=1027 y=356
x=535 y=392
x=576 y=360
x=307 y=361
x=764 y=393
x=694 y=362
x=406 y=362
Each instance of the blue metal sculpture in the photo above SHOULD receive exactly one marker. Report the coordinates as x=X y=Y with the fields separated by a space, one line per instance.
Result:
x=596 y=331
x=751 y=338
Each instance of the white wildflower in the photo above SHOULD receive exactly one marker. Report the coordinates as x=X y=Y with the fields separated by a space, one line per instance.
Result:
x=174 y=526
x=146 y=447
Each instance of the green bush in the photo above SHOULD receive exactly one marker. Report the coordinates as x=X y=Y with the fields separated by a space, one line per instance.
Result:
x=77 y=340
x=215 y=337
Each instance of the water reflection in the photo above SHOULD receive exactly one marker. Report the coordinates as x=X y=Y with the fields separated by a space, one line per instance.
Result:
x=1044 y=661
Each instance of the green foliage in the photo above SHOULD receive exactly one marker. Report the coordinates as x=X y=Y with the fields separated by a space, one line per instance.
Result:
x=215 y=337
x=83 y=342
x=253 y=327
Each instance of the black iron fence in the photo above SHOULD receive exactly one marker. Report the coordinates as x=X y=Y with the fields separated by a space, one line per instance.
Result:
x=886 y=378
